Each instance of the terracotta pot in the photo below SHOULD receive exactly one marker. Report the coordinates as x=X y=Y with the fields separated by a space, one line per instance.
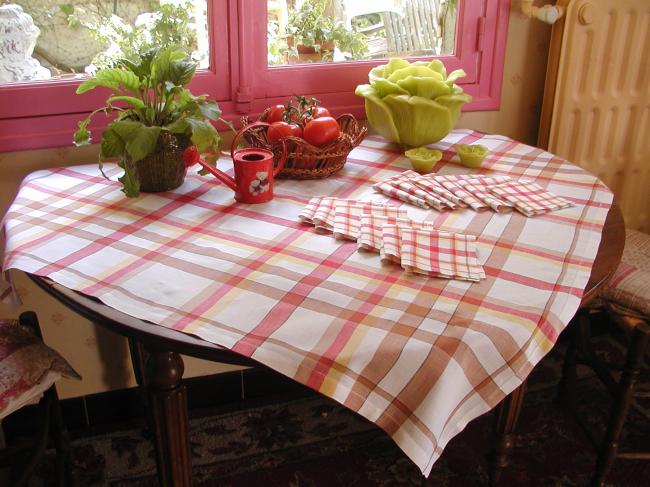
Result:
x=309 y=53
x=163 y=170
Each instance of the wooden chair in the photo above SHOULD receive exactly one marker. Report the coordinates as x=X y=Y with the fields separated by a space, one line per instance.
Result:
x=626 y=303
x=415 y=32
x=28 y=371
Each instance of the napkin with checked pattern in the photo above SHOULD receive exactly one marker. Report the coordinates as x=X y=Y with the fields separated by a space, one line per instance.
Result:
x=529 y=198
x=439 y=254
x=480 y=192
x=371 y=230
x=343 y=216
x=347 y=217
x=414 y=245
x=403 y=187
x=419 y=248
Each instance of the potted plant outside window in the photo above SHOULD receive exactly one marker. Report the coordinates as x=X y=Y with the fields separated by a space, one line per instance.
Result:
x=156 y=118
x=312 y=35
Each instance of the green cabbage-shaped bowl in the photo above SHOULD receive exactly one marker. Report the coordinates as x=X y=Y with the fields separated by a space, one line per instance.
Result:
x=413 y=104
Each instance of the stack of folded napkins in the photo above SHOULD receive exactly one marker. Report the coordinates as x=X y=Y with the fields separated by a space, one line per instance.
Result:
x=478 y=192
x=417 y=246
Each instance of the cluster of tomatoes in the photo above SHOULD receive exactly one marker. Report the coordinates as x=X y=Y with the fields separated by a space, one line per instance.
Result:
x=305 y=119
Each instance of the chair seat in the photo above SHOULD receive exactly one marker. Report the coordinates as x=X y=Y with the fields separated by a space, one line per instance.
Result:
x=28 y=367
x=28 y=371
x=630 y=285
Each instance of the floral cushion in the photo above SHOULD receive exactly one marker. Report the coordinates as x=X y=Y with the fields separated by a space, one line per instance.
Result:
x=630 y=284
x=28 y=367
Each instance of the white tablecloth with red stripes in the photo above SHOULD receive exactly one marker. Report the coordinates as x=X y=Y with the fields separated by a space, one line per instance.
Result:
x=421 y=357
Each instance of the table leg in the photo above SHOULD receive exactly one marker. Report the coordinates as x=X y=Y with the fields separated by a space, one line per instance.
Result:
x=168 y=406
x=507 y=415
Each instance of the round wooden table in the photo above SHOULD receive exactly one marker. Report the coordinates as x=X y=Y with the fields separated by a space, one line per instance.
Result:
x=155 y=352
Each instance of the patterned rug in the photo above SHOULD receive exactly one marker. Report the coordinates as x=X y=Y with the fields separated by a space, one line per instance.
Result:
x=314 y=442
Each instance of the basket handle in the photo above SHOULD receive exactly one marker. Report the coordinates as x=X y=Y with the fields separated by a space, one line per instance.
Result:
x=240 y=132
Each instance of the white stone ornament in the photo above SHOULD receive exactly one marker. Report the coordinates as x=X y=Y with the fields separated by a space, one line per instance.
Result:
x=18 y=35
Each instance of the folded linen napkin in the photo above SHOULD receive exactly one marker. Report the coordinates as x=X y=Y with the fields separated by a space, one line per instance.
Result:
x=438 y=254
x=407 y=183
x=450 y=199
x=324 y=215
x=347 y=216
x=473 y=184
x=388 y=189
x=451 y=183
x=529 y=198
x=371 y=229
x=481 y=192
x=306 y=216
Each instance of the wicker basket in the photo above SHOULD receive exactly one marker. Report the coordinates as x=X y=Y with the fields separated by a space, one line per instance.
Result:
x=305 y=161
x=163 y=170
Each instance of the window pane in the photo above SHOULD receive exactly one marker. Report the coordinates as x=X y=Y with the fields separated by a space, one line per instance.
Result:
x=307 y=31
x=63 y=39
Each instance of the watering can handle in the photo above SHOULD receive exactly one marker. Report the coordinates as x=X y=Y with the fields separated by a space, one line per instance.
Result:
x=233 y=144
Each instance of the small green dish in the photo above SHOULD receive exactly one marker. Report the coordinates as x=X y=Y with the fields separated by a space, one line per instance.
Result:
x=423 y=159
x=471 y=155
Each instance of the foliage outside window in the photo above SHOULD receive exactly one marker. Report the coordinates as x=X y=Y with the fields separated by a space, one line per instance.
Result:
x=348 y=30
x=80 y=36
x=310 y=26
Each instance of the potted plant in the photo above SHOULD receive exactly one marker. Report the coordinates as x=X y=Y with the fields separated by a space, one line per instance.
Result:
x=312 y=35
x=156 y=118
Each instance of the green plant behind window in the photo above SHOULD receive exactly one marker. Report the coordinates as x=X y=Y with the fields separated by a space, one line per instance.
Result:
x=309 y=26
x=170 y=24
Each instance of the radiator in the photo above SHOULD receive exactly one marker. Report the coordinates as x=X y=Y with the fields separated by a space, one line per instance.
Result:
x=596 y=109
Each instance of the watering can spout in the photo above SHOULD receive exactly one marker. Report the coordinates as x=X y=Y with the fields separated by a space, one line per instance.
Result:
x=220 y=175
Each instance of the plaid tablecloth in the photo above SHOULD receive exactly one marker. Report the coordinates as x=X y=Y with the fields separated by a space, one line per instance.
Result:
x=419 y=356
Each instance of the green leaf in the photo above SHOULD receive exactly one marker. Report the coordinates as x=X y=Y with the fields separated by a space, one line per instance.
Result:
x=129 y=180
x=142 y=143
x=180 y=126
x=204 y=136
x=131 y=100
x=210 y=109
x=139 y=140
x=112 y=144
x=112 y=78
x=182 y=71
x=229 y=125
x=82 y=135
x=163 y=66
x=125 y=129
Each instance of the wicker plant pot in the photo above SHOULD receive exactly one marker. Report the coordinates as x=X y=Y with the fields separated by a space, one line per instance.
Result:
x=305 y=161
x=163 y=170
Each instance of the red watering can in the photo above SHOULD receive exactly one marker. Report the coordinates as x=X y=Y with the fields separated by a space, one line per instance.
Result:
x=254 y=173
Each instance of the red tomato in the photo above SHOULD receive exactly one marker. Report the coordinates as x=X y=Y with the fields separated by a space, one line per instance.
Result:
x=315 y=112
x=321 y=112
x=275 y=113
x=322 y=130
x=280 y=130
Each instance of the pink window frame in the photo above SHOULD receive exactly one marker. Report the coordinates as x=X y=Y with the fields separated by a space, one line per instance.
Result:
x=480 y=51
x=44 y=114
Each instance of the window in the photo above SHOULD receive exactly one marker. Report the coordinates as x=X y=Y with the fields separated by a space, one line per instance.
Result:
x=249 y=64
